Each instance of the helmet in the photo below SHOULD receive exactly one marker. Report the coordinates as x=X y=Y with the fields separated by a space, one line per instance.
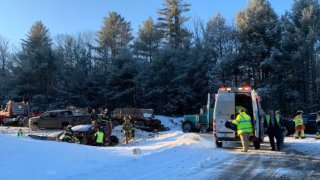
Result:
x=299 y=112
x=69 y=127
x=277 y=111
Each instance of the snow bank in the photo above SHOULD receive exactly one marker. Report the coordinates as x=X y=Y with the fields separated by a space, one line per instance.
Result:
x=169 y=156
x=174 y=123
x=310 y=145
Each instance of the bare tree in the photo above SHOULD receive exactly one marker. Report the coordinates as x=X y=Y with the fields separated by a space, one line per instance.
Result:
x=4 y=54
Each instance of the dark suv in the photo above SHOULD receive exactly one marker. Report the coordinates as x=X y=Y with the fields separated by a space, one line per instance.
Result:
x=309 y=122
x=289 y=126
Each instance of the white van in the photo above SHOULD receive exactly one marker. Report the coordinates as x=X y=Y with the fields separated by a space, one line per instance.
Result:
x=227 y=101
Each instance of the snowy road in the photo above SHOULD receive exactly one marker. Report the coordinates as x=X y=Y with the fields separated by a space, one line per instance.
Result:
x=299 y=159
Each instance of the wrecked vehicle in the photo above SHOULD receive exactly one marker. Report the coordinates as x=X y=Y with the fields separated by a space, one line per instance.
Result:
x=83 y=133
x=141 y=118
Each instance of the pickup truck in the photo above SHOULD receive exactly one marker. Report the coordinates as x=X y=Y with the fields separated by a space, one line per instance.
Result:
x=58 y=119
x=141 y=118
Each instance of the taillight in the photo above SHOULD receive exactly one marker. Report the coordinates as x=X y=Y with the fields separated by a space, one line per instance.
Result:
x=214 y=125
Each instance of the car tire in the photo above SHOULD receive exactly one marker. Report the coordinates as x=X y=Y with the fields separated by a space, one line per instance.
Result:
x=256 y=144
x=140 y=124
x=114 y=140
x=187 y=127
x=20 y=121
x=25 y=121
x=218 y=144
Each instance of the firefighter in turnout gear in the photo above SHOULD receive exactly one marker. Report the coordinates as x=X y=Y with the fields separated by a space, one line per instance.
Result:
x=273 y=124
x=127 y=128
x=67 y=135
x=244 y=126
x=318 y=125
x=299 y=127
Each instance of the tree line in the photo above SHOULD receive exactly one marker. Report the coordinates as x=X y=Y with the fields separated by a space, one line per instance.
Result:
x=167 y=66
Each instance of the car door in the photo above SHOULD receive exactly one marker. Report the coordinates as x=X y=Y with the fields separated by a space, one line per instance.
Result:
x=63 y=119
x=48 y=120
x=224 y=108
x=256 y=119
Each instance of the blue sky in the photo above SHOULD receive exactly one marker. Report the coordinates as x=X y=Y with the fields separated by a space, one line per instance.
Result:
x=73 y=16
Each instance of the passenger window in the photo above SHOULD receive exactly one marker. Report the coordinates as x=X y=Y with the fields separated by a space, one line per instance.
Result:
x=53 y=114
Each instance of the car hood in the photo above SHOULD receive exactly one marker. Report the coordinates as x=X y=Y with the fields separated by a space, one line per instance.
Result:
x=34 y=118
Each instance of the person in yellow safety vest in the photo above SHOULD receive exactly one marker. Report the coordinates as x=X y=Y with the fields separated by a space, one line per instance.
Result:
x=244 y=126
x=299 y=127
x=318 y=125
x=20 y=133
x=273 y=126
x=99 y=137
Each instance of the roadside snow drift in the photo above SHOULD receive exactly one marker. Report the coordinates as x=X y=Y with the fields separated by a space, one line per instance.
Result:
x=167 y=155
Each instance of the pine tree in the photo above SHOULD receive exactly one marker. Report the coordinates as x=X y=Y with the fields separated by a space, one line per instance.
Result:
x=148 y=40
x=115 y=34
x=258 y=36
x=302 y=25
x=172 y=20
x=35 y=73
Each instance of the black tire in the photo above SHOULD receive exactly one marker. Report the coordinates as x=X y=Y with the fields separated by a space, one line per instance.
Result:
x=256 y=144
x=285 y=132
x=20 y=121
x=25 y=121
x=114 y=140
x=218 y=144
x=115 y=123
x=187 y=127
x=140 y=124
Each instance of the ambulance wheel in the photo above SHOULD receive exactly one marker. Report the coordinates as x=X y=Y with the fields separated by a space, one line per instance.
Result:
x=186 y=127
x=218 y=144
x=256 y=144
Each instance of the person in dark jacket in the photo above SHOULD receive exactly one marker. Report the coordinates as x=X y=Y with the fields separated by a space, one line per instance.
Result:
x=273 y=126
x=107 y=121
x=94 y=115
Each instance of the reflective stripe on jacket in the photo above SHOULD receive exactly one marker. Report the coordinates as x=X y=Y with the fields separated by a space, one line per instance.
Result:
x=298 y=120
x=99 y=136
x=243 y=122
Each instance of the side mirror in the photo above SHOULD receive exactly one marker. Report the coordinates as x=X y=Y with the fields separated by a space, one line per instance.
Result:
x=232 y=116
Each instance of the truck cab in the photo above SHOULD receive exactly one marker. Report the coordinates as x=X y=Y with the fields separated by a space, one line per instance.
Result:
x=199 y=122
x=15 y=113
x=228 y=101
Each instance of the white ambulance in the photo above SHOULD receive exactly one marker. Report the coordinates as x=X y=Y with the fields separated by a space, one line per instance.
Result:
x=228 y=101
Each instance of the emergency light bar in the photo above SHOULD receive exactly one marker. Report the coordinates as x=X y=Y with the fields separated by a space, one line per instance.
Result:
x=228 y=89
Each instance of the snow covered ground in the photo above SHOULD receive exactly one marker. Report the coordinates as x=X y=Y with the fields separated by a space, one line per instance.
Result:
x=165 y=155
